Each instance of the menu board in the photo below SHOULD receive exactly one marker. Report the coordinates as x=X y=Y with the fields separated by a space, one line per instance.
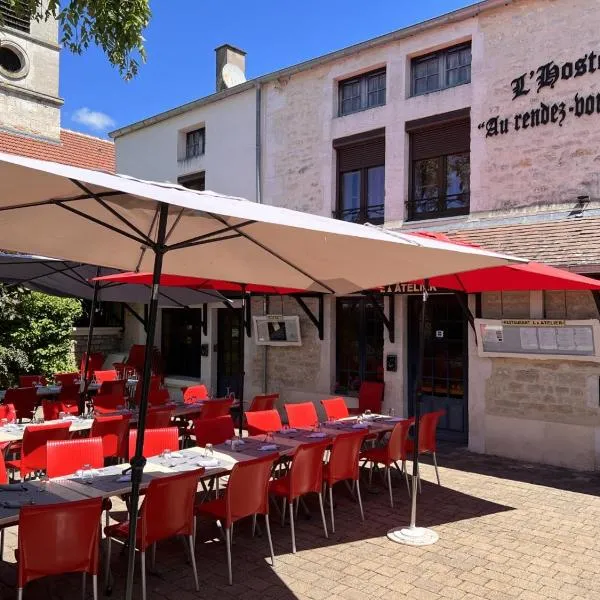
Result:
x=539 y=338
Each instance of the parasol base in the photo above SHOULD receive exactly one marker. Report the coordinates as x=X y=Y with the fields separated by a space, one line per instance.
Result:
x=413 y=536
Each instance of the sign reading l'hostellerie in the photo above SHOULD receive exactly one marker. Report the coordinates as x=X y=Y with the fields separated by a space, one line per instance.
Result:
x=548 y=113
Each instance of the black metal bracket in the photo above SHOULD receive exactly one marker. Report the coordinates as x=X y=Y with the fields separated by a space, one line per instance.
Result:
x=134 y=314
x=248 y=316
x=389 y=321
x=319 y=320
x=205 y=319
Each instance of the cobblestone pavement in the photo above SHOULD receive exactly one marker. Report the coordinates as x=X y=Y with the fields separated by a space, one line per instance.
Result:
x=507 y=530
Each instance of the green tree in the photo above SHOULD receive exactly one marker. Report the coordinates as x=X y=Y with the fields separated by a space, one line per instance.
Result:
x=116 y=26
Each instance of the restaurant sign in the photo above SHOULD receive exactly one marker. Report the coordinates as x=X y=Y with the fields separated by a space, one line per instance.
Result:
x=408 y=288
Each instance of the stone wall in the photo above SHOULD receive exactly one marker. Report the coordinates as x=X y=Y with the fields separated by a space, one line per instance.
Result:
x=106 y=340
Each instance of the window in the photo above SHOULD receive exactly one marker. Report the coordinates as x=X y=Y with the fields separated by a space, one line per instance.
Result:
x=194 y=143
x=107 y=314
x=440 y=169
x=440 y=70
x=9 y=17
x=195 y=181
x=362 y=92
x=181 y=334
x=361 y=178
x=359 y=344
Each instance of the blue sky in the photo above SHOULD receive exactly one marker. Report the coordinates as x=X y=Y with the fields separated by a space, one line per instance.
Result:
x=182 y=37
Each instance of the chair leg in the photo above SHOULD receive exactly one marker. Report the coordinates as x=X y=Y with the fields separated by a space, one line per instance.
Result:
x=437 y=474
x=228 y=546
x=292 y=527
x=389 y=481
x=362 y=514
x=153 y=557
x=371 y=474
x=283 y=512
x=107 y=570
x=253 y=525
x=143 y=565
x=323 y=515
x=1 y=544
x=331 y=508
x=406 y=476
x=193 y=559
x=20 y=594
x=268 y=527
x=95 y=586
x=83 y=586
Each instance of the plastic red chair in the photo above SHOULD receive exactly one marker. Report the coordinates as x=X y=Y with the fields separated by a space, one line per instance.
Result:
x=33 y=448
x=335 y=408
x=212 y=409
x=65 y=457
x=247 y=494
x=95 y=364
x=24 y=399
x=155 y=383
x=194 y=393
x=159 y=417
x=69 y=392
x=113 y=387
x=167 y=511
x=265 y=402
x=427 y=442
x=8 y=412
x=59 y=538
x=213 y=431
x=31 y=380
x=304 y=477
x=370 y=397
x=159 y=397
x=343 y=465
x=67 y=378
x=390 y=454
x=263 y=421
x=301 y=414
x=107 y=375
x=104 y=403
x=52 y=409
x=113 y=430
x=155 y=441
x=3 y=481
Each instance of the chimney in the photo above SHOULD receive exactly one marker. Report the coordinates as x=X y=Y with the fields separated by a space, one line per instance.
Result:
x=235 y=73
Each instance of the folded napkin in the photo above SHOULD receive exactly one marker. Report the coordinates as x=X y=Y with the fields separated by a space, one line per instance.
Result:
x=266 y=447
x=290 y=430
x=176 y=455
x=208 y=462
x=317 y=434
x=360 y=426
x=124 y=478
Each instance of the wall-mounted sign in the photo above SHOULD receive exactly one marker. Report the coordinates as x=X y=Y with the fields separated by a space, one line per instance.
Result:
x=439 y=334
x=391 y=363
x=407 y=288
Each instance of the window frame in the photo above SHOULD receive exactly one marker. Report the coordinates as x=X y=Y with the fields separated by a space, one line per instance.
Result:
x=202 y=144
x=363 y=81
x=185 y=180
x=443 y=68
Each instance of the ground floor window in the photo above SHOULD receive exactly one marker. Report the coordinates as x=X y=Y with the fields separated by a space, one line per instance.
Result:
x=359 y=344
x=181 y=339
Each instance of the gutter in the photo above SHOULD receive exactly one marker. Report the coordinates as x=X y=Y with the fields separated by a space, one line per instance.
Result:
x=461 y=14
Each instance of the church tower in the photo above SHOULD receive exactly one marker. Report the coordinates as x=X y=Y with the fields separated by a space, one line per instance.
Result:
x=29 y=67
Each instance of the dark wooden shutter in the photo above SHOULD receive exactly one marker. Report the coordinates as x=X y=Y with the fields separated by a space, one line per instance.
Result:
x=356 y=153
x=447 y=138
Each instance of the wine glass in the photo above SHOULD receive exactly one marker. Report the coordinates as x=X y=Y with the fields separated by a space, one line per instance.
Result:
x=391 y=412
x=87 y=476
x=209 y=450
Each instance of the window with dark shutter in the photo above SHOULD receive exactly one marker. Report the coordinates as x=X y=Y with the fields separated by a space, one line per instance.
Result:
x=9 y=17
x=361 y=92
x=442 y=69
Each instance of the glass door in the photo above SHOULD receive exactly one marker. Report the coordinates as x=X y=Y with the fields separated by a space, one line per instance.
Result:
x=181 y=333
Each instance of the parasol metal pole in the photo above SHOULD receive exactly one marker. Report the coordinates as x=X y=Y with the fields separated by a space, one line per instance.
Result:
x=413 y=535
x=241 y=360
x=88 y=351
x=138 y=461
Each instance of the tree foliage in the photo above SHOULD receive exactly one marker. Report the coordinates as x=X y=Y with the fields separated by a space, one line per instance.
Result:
x=35 y=333
x=116 y=26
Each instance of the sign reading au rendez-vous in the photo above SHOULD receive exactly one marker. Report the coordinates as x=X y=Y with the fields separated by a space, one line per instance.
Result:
x=548 y=113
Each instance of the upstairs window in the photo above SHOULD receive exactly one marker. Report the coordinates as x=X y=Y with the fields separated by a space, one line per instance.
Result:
x=9 y=17
x=443 y=69
x=195 y=181
x=362 y=92
x=194 y=143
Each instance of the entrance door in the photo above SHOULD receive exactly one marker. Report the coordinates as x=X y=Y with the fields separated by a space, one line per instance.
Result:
x=230 y=351
x=445 y=366
x=181 y=338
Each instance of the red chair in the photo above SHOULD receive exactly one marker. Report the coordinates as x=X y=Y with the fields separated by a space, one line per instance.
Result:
x=31 y=380
x=155 y=441
x=95 y=364
x=167 y=511
x=109 y=402
x=343 y=465
x=335 y=408
x=266 y=402
x=304 y=477
x=59 y=538
x=3 y=481
x=113 y=431
x=67 y=378
x=33 y=448
x=247 y=494
x=391 y=453
x=53 y=408
x=212 y=409
x=302 y=414
x=159 y=397
x=370 y=397
x=7 y=411
x=155 y=383
x=114 y=387
x=24 y=399
x=106 y=375
x=159 y=417
x=263 y=421
x=427 y=442
x=194 y=393
x=213 y=431
x=65 y=457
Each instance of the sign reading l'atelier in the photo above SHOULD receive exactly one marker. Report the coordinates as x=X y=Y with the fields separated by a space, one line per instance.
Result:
x=548 y=113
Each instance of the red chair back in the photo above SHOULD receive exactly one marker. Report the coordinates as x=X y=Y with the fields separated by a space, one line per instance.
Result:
x=95 y=364
x=155 y=441
x=108 y=375
x=194 y=393
x=159 y=417
x=67 y=456
x=155 y=382
x=343 y=458
x=370 y=396
x=427 y=429
x=266 y=402
x=263 y=421
x=53 y=408
x=212 y=409
x=396 y=446
x=3 y=473
x=306 y=472
x=302 y=414
x=335 y=408
x=66 y=378
x=109 y=403
x=168 y=508
x=24 y=399
x=58 y=538
x=113 y=432
x=248 y=489
x=158 y=397
x=115 y=387
x=31 y=380
x=69 y=392
x=213 y=431
x=7 y=411
x=35 y=439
